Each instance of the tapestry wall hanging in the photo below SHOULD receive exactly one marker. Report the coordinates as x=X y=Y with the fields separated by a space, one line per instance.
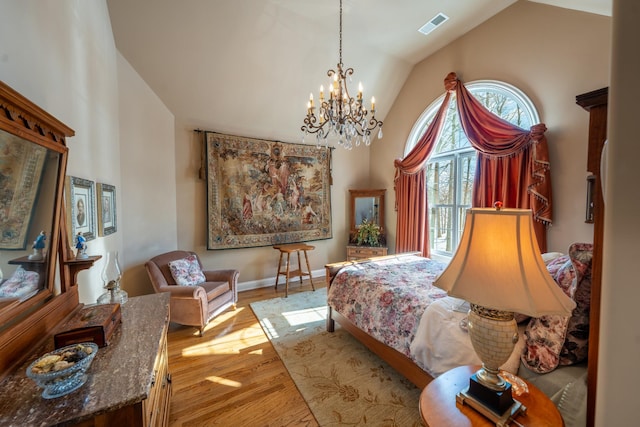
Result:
x=262 y=193
x=21 y=170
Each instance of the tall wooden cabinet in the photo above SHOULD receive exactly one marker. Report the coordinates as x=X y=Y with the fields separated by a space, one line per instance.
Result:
x=595 y=103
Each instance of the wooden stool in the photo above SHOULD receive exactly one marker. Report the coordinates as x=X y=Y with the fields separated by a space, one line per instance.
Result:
x=288 y=249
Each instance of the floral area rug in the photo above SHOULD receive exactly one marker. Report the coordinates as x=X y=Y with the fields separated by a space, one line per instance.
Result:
x=342 y=381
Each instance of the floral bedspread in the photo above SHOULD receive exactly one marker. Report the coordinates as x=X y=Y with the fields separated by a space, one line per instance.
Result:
x=387 y=298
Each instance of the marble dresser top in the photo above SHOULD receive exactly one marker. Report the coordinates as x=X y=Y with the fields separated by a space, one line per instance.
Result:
x=120 y=375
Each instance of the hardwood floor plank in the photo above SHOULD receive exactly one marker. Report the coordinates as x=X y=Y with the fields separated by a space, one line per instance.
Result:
x=232 y=376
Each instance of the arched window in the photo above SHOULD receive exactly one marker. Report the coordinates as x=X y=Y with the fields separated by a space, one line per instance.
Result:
x=451 y=166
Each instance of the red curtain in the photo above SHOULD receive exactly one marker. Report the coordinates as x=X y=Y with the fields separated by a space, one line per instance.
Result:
x=412 y=228
x=512 y=167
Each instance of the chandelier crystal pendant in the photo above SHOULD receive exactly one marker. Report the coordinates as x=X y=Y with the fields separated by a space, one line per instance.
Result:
x=341 y=115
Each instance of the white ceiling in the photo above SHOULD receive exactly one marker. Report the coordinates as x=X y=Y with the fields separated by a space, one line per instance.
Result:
x=247 y=67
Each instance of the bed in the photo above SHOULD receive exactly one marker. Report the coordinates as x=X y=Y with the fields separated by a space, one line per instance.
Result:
x=343 y=304
x=390 y=305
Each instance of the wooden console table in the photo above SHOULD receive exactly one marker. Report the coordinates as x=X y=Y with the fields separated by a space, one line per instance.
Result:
x=128 y=382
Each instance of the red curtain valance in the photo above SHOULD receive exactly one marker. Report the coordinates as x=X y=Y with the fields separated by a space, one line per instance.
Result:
x=512 y=167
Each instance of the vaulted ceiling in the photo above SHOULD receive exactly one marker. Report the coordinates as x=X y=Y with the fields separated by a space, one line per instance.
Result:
x=246 y=67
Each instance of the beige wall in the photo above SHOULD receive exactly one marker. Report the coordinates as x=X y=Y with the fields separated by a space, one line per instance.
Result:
x=148 y=190
x=551 y=54
x=258 y=265
x=65 y=61
x=61 y=55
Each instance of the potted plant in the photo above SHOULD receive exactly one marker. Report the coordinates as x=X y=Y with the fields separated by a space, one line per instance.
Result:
x=368 y=234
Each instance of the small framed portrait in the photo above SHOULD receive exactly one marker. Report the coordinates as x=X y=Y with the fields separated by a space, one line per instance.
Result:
x=80 y=199
x=107 y=223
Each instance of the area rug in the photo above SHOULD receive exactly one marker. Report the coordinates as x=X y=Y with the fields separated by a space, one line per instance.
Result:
x=342 y=381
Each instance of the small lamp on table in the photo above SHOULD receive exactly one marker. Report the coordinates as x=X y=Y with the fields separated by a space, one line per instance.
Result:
x=499 y=270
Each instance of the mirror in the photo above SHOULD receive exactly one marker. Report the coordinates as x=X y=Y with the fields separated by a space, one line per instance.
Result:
x=32 y=156
x=367 y=205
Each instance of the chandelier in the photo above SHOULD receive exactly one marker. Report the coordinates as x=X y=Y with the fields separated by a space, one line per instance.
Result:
x=341 y=115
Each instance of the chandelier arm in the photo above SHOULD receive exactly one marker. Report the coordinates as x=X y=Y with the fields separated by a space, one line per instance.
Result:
x=309 y=127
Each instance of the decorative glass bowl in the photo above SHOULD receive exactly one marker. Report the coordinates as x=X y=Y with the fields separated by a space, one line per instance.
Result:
x=63 y=370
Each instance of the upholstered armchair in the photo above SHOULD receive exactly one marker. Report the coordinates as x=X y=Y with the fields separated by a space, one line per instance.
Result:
x=195 y=304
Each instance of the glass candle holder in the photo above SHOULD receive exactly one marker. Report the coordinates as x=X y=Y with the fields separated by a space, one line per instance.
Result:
x=111 y=275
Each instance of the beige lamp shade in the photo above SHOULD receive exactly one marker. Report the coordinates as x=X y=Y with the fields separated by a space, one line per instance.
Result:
x=498 y=265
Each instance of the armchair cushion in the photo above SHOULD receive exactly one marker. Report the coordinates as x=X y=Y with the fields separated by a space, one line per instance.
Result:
x=186 y=271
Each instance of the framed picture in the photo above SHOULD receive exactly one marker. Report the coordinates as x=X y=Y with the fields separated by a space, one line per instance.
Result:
x=80 y=197
x=106 y=209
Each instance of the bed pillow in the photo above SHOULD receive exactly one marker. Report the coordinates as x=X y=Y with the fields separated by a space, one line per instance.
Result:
x=187 y=271
x=555 y=340
x=544 y=336
x=576 y=344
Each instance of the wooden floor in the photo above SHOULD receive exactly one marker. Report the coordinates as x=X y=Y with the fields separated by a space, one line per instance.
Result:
x=232 y=376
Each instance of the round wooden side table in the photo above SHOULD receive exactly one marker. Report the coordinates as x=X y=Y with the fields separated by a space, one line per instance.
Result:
x=438 y=406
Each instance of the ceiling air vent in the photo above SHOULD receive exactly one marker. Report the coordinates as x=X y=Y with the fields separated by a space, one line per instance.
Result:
x=437 y=20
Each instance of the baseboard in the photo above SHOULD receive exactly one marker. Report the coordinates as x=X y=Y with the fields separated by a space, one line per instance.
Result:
x=271 y=281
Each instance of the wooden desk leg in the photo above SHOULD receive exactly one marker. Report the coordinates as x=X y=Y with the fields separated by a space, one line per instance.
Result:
x=306 y=258
x=278 y=272
x=286 y=284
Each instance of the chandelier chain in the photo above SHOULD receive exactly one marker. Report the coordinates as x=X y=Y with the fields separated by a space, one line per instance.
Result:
x=340 y=31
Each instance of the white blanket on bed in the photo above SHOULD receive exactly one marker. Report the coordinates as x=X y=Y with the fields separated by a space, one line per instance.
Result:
x=441 y=343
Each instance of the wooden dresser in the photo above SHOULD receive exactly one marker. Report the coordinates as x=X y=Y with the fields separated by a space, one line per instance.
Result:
x=129 y=383
x=360 y=252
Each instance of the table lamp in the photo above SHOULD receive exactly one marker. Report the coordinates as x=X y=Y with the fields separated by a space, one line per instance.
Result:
x=499 y=270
